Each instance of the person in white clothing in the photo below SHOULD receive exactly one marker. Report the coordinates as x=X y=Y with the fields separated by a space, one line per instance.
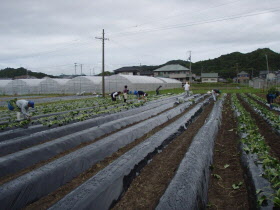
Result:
x=23 y=107
x=187 y=89
x=114 y=95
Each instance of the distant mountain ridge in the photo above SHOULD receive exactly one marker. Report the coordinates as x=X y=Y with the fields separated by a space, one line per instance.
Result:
x=12 y=73
x=226 y=66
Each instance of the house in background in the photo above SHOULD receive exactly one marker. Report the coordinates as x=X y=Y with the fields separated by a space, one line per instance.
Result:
x=134 y=70
x=173 y=71
x=243 y=77
x=209 y=77
x=263 y=74
x=128 y=71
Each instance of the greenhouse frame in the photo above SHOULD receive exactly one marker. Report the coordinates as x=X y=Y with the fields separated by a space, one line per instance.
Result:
x=85 y=84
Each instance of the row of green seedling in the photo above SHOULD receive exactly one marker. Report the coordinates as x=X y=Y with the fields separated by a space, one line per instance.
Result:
x=266 y=113
x=255 y=144
x=262 y=100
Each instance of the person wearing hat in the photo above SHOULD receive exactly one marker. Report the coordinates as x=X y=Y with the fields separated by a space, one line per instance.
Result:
x=23 y=106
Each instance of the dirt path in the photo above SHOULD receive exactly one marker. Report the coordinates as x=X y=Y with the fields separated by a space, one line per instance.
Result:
x=226 y=164
x=55 y=196
x=146 y=189
x=271 y=138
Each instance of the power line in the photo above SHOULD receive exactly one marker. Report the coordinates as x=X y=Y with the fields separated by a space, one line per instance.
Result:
x=174 y=16
x=200 y=22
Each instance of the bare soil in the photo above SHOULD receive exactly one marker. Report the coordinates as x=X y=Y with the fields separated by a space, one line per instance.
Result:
x=226 y=164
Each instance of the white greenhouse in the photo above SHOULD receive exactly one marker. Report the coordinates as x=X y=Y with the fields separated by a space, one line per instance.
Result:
x=170 y=83
x=84 y=84
x=145 y=83
x=62 y=85
x=13 y=87
x=34 y=85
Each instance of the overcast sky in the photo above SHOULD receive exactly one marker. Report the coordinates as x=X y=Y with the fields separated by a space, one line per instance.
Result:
x=50 y=36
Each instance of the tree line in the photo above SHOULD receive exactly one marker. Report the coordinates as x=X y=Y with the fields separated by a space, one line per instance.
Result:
x=227 y=66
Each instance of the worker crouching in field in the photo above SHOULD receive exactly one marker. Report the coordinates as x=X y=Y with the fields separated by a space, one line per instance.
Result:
x=215 y=93
x=114 y=95
x=21 y=107
x=24 y=105
x=272 y=97
x=157 y=90
x=142 y=95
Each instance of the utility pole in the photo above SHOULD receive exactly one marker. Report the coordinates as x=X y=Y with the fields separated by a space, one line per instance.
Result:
x=75 y=67
x=267 y=70
x=237 y=72
x=267 y=64
x=190 y=59
x=81 y=69
x=103 y=62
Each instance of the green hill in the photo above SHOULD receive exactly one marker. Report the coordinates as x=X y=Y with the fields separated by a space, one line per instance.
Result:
x=229 y=65
x=226 y=66
x=11 y=73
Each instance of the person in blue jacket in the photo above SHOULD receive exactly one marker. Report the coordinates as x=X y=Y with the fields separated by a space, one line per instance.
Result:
x=270 y=99
x=142 y=95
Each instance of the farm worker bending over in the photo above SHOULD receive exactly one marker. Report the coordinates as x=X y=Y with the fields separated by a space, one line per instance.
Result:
x=142 y=95
x=23 y=107
x=214 y=93
x=187 y=89
x=125 y=92
x=114 y=95
x=270 y=99
x=157 y=90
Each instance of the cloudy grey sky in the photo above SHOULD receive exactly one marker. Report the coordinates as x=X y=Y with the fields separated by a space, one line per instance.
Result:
x=49 y=36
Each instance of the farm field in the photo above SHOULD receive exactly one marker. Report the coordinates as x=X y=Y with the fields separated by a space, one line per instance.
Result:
x=170 y=152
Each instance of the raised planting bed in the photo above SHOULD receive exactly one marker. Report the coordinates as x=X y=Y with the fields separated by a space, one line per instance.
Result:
x=106 y=186
x=188 y=188
x=263 y=170
x=12 y=145
x=79 y=134
x=33 y=186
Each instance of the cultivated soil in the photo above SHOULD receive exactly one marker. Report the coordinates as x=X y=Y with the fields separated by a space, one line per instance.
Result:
x=226 y=167
x=52 y=198
x=147 y=188
x=271 y=137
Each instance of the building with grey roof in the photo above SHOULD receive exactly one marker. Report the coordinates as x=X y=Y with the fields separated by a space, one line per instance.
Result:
x=173 y=71
x=209 y=77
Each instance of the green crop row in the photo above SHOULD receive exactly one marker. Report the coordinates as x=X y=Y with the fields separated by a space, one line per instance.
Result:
x=273 y=118
x=255 y=144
